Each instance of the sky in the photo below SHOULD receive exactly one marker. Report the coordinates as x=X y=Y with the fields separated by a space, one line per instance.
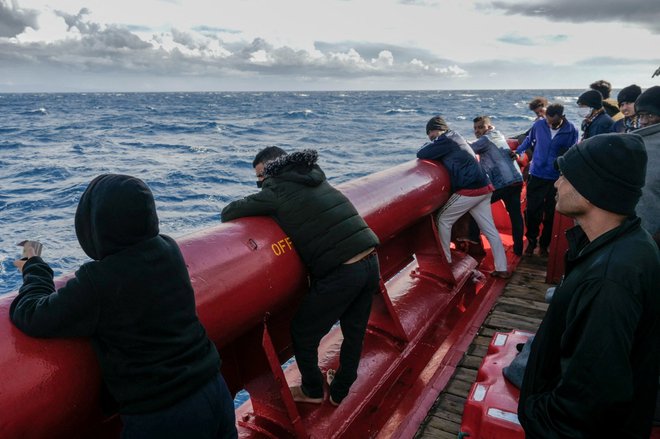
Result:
x=264 y=45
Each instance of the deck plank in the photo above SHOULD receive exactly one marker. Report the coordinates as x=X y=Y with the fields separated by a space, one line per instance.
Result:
x=521 y=306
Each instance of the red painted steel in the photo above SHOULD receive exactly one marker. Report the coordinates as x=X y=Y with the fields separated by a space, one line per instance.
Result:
x=248 y=281
x=558 y=247
x=491 y=408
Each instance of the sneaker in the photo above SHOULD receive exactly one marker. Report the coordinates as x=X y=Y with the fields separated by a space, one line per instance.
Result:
x=543 y=252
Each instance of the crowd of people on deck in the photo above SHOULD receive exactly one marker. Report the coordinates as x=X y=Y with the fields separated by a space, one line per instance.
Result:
x=593 y=365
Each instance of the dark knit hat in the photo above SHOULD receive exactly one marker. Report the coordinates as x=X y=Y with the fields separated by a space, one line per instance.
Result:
x=436 y=123
x=629 y=94
x=591 y=98
x=608 y=170
x=649 y=101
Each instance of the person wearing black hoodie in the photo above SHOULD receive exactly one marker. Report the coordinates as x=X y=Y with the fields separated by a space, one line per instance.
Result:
x=136 y=303
x=336 y=245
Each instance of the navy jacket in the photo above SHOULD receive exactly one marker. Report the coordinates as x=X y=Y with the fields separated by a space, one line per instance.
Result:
x=453 y=151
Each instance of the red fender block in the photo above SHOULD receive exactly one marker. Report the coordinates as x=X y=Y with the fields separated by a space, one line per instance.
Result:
x=491 y=409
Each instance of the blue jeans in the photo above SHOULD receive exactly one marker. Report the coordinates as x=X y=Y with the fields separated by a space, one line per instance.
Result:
x=207 y=413
x=345 y=295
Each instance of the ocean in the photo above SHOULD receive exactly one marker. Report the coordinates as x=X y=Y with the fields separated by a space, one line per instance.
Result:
x=195 y=150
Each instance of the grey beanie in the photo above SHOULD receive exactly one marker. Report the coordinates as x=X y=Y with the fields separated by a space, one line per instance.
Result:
x=436 y=123
x=608 y=170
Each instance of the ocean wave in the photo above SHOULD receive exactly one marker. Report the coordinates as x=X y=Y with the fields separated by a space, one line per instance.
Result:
x=565 y=98
x=38 y=112
x=296 y=114
x=400 y=110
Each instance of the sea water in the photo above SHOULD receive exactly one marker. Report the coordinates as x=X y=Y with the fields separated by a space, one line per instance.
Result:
x=195 y=150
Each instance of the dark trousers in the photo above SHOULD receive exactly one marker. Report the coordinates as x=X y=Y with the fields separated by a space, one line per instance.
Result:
x=510 y=195
x=540 y=209
x=345 y=295
x=207 y=413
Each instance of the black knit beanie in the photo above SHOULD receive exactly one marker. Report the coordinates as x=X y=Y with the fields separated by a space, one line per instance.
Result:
x=649 y=101
x=608 y=170
x=629 y=94
x=436 y=123
x=591 y=98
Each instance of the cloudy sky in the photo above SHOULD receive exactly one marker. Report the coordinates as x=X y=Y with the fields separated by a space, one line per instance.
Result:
x=221 y=45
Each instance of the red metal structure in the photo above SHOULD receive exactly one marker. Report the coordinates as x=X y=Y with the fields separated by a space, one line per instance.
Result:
x=491 y=409
x=248 y=280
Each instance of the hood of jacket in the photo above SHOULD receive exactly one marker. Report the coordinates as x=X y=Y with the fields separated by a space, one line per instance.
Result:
x=299 y=167
x=115 y=212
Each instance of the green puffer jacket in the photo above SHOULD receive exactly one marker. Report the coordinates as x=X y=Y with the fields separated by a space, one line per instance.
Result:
x=323 y=224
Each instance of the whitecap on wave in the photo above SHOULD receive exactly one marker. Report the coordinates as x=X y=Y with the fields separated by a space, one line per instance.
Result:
x=565 y=98
x=400 y=110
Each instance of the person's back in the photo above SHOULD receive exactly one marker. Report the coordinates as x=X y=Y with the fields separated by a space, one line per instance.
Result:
x=456 y=155
x=336 y=245
x=134 y=300
x=312 y=212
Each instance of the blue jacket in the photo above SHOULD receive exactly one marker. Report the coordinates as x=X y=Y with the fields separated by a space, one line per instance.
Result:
x=495 y=158
x=547 y=149
x=453 y=151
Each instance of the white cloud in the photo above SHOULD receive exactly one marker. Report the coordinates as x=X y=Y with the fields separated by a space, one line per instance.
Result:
x=377 y=41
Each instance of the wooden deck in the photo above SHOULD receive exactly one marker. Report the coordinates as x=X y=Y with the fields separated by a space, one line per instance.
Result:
x=521 y=306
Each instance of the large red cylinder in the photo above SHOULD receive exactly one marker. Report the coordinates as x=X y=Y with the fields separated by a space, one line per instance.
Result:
x=240 y=271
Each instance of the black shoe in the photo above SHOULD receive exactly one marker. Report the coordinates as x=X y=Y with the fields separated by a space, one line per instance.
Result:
x=543 y=252
x=529 y=251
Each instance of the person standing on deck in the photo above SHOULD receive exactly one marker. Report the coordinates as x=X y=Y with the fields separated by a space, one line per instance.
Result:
x=595 y=119
x=552 y=136
x=136 y=303
x=338 y=248
x=593 y=365
x=610 y=105
x=470 y=186
x=627 y=97
x=647 y=107
x=495 y=158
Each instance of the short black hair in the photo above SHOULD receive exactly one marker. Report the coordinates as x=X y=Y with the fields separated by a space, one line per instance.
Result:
x=267 y=154
x=537 y=102
x=603 y=86
x=485 y=119
x=554 y=110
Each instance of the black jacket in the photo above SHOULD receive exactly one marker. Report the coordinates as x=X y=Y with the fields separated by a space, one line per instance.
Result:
x=134 y=300
x=323 y=224
x=593 y=367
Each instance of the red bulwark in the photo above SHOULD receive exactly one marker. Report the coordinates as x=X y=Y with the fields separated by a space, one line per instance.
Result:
x=491 y=408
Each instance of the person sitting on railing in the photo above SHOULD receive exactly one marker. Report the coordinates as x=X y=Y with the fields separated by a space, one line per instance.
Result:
x=336 y=245
x=470 y=186
x=592 y=371
x=136 y=303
